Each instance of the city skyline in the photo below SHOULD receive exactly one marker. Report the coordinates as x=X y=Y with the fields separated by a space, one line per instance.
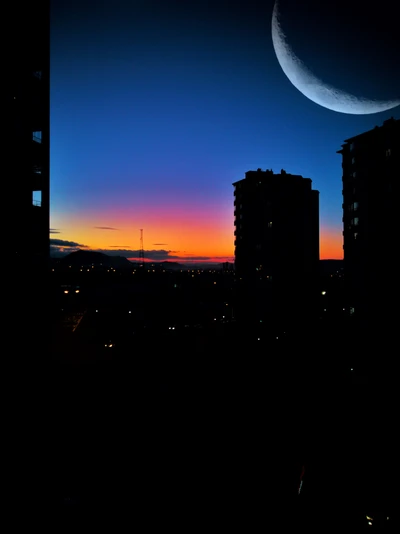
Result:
x=157 y=109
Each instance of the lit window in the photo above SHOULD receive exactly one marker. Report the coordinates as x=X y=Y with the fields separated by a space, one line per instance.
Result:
x=37 y=169
x=351 y=147
x=270 y=224
x=355 y=221
x=37 y=198
x=353 y=160
x=355 y=205
x=355 y=235
x=37 y=137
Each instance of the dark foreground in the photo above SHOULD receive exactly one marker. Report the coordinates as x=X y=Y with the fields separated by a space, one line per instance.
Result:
x=216 y=446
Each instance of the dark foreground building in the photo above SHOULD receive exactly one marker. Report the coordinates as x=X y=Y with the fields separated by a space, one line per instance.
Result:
x=30 y=137
x=28 y=88
x=371 y=172
x=277 y=242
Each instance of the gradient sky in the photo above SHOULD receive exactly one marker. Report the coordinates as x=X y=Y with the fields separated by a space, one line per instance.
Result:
x=157 y=107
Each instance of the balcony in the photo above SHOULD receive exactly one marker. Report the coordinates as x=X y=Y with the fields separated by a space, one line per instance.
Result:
x=37 y=199
x=37 y=137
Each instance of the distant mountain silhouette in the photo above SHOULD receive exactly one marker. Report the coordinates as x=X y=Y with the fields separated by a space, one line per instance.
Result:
x=88 y=257
x=172 y=265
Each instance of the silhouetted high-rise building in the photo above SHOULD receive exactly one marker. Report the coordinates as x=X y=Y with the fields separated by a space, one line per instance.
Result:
x=28 y=156
x=277 y=238
x=371 y=173
x=30 y=136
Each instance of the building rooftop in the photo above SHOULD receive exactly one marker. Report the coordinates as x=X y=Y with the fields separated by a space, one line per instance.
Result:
x=270 y=173
x=388 y=122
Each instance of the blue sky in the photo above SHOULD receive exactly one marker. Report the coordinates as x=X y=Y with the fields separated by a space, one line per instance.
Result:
x=157 y=107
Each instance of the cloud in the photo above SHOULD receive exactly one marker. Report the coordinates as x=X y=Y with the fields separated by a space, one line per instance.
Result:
x=60 y=247
x=155 y=255
x=160 y=244
x=105 y=228
x=62 y=243
x=119 y=246
x=162 y=255
x=54 y=231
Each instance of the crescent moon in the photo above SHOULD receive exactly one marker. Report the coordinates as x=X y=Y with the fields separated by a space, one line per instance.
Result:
x=315 y=89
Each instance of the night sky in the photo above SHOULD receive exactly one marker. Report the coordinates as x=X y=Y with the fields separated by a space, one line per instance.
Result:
x=157 y=107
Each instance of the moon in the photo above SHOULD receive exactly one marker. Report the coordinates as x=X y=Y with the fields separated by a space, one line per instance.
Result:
x=315 y=89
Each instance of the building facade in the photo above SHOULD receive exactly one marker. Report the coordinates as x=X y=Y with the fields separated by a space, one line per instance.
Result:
x=371 y=173
x=30 y=140
x=276 y=238
x=28 y=152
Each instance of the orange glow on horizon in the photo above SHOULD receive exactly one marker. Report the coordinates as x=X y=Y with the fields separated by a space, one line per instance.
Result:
x=331 y=244
x=197 y=236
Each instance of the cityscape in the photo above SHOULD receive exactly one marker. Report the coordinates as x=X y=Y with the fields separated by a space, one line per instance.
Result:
x=279 y=349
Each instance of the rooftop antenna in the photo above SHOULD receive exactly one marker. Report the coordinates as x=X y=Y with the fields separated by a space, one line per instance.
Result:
x=141 y=252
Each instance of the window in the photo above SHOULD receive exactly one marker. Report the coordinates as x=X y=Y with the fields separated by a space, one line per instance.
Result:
x=353 y=160
x=37 y=169
x=355 y=221
x=258 y=247
x=351 y=147
x=270 y=224
x=37 y=137
x=354 y=174
x=388 y=152
x=355 y=206
x=37 y=198
x=355 y=235
x=38 y=74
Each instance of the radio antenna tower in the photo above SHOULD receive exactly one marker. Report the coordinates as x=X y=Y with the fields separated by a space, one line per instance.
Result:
x=141 y=252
